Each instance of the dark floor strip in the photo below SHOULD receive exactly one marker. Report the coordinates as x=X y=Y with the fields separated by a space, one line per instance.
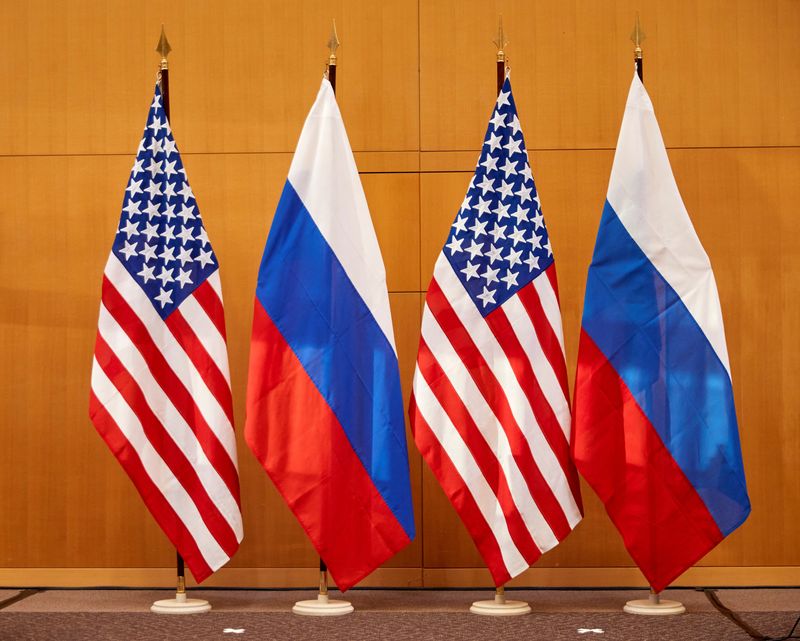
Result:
x=19 y=597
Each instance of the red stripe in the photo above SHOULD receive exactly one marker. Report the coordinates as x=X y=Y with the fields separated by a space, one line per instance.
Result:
x=551 y=276
x=173 y=387
x=208 y=368
x=458 y=493
x=484 y=457
x=166 y=447
x=159 y=507
x=663 y=521
x=495 y=396
x=300 y=443
x=545 y=417
x=207 y=298
x=551 y=346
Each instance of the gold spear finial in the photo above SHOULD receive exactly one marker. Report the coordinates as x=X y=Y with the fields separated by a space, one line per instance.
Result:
x=500 y=42
x=163 y=48
x=333 y=45
x=637 y=36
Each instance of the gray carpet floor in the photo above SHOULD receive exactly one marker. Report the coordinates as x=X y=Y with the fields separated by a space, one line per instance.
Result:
x=77 y=615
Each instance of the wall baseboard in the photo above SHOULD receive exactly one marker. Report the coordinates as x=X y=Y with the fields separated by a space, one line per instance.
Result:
x=397 y=577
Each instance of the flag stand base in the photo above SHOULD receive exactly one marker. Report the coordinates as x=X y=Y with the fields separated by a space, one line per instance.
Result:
x=180 y=605
x=500 y=607
x=322 y=606
x=654 y=606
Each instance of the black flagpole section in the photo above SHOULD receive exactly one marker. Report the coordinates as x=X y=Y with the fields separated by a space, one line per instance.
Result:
x=636 y=37
x=163 y=79
x=639 y=64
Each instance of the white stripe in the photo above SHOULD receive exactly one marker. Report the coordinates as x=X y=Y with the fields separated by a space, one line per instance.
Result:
x=205 y=330
x=471 y=476
x=643 y=193
x=542 y=369
x=169 y=417
x=521 y=410
x=552 y=310
x=215 y=283
x=173 y=353
x=489 y=426
x=156 y=469
x=325 y=177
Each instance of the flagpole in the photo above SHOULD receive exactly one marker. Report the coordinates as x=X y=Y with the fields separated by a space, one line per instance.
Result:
x=653 y=604
x=323 y=605
x=180 y=604
x=500 y=606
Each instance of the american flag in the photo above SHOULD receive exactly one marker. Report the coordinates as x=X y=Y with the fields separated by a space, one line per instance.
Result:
x=161 y=396
x=490 y=410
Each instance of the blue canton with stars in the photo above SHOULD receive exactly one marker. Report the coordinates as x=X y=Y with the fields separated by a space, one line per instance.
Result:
x=498 y=242
x=161 y=239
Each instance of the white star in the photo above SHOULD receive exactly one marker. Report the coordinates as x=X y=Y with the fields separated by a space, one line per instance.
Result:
x=521 y=215
x=536 y=200
x=169 y=212
x=483 y=206
x=184 y=278
x=169 y=190
x=514 y=124
x=151 y=231
x=526 y=171
x=547 y=247
x=502 y=99
x=509 y=167
x=154 y=147
x=169 y=167
x=132 y=208
x=164 y=297
x=148 y=252
x=152 y=209
x=185 y=255
x=147 y=273
x=187 y=213
x=154 y=168
x=204 y=258
x=141 y=147
x=486 y=184
x=465 y=204
x=536 y=242
x=498 y=231
x=155 y=104
x=518 y=235
x=169 y=146
x=128 y=250
x=490 y=162
x=202 y=236
x=502 y=210
x=490 y=275
x=475 y=249
x=470 y=271
x=130 y=229
x=154 y=189
x=514 y=257
x=494 y=254
x=155 y=125
x=185 y=235
x=510 y=279
x=460 y=224
x=538 y=219
x=169 y=233
x=505 y=189
x=532 y=262
x=513 y=146
x=487 y=297
x=455 y=245
x=165 y=276
x=167 y=254
x=186 y=192
x=493 y=142
x=134 y=187
x=478 y=228
x=137 y=167
x=524 y=194
x=498 y=120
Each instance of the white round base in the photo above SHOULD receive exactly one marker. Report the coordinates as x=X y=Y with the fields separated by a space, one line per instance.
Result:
x=494 y=608
x=180 y=605
x=647 y=607
x=322 y=606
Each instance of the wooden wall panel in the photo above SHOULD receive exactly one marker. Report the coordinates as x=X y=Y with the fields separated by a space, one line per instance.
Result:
x=416 y=84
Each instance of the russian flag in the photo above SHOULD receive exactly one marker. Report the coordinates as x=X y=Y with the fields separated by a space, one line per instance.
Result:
x=655 y=431
x=324 y=407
